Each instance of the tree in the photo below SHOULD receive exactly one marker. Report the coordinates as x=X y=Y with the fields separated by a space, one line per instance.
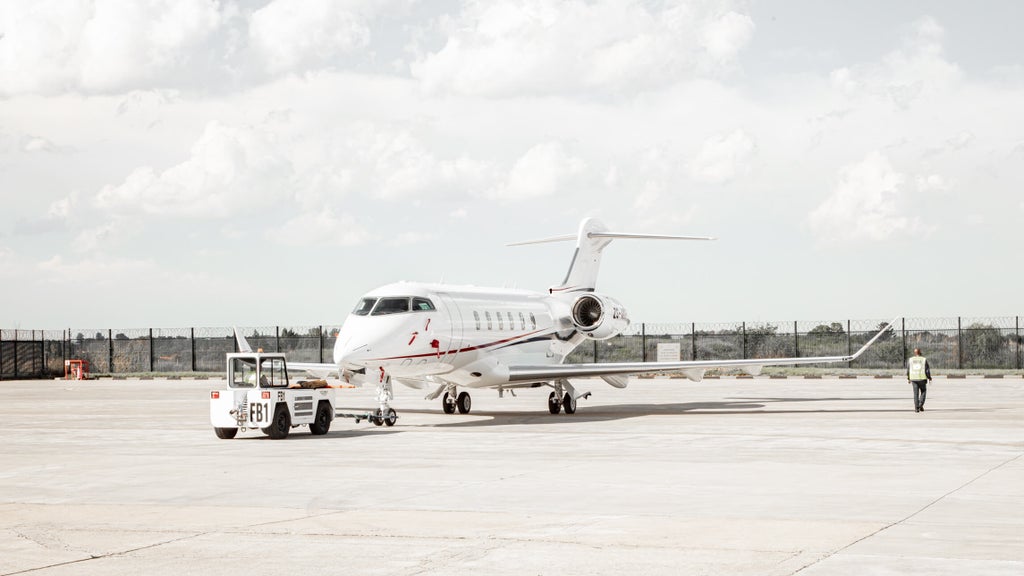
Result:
x=983 y=345
x=889 y=333
x=833 y=328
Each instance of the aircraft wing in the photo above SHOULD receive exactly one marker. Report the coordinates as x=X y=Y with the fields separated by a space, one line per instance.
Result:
x=613 y=372
x=314 y=368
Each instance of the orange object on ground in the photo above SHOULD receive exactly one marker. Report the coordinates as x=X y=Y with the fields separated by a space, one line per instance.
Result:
x=76 y=369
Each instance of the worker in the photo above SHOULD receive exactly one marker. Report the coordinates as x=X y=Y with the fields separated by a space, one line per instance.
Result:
x=919 y=374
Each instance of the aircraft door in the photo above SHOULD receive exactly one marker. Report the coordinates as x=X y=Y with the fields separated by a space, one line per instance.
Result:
x=450 y=335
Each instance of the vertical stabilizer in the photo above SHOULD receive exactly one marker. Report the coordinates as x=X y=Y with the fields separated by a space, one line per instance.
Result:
x=586 y=260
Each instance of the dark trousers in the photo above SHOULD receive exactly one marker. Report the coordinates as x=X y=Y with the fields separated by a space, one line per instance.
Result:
x=920 y=391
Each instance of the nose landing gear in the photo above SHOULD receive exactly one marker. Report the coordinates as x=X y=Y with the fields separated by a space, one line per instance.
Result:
x=385 y=394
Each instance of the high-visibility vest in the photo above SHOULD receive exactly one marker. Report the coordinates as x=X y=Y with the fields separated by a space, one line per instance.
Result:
x=916 y=368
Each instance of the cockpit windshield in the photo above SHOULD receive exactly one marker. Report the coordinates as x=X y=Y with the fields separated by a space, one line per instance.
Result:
x=422 y=305
x=391 y=306
x=364 y=306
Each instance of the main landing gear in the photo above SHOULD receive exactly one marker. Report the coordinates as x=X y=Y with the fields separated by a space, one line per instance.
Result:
x=451 y=402
x=564 y=397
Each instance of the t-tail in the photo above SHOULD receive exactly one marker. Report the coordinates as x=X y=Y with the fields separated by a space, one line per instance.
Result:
x=592 y=238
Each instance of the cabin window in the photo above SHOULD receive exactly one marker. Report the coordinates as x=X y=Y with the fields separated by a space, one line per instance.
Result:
x=422 y=305
x=390 y=306
x=501 y=321
x=364 y=306
x=476 y=317
x=533 y=321
x=487 y=315
x=511 y=322
x=522 y=321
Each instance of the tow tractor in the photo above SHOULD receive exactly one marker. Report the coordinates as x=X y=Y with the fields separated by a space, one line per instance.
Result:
x=259 y=395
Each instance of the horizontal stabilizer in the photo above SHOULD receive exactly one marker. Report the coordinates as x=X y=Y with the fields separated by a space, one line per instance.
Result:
x=591 y=239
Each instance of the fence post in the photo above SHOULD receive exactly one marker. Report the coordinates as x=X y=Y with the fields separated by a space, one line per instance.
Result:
x=693 y=340
x=15 y=353
x=959 y=344
x=110 y=351
x=1017 y=331
x=849 y=347
x=150 y=349
x=321 y=339
x=744 y=340
x=643 y=342
x=796 y=341
x=903 y=330
x=192 y=345
x=277 y=338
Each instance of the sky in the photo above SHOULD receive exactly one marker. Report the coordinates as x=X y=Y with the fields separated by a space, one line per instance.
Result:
x=175 y=163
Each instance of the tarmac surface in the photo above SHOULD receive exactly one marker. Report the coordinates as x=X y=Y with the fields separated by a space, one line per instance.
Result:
x=730 y=476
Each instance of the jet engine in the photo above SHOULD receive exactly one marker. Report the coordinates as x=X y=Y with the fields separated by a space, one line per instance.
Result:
x=599 y=317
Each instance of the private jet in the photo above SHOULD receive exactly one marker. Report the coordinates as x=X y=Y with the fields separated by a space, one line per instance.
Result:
x=449 y=339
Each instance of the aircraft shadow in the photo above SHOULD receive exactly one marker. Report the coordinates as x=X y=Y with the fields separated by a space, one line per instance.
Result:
x=732 y=406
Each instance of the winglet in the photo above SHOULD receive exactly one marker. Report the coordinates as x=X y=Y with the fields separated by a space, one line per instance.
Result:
x=886 y=328
x=243 y=344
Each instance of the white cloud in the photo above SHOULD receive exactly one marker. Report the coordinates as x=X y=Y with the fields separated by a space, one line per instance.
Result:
x=101 y=236
x=300 y=34
x=722 y=158
x=63 y=208
x=39 y=144
x=231 y=170
x=865 y=205
x=551 y=46
x=52 y=46
x=918 y=68
x=397 y=165
x=542 y=171
x=726 y=36
x=932 y=183
x=320 y=228
x=411 y=238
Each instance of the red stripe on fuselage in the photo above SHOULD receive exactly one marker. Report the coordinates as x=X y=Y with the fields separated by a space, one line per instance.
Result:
x=470 y=349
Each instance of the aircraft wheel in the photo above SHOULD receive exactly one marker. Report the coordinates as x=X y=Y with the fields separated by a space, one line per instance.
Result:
x=448 y=404
x=554 y=403
x=378 y=418
x=391 y=417
x=225 y=433
x=569 y=403
x=281 y=424
x=464 y=403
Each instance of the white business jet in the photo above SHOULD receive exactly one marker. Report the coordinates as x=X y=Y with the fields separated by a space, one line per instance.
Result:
x=451 y=339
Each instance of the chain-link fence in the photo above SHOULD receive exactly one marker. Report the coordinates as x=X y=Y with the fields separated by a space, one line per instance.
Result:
x=949 y=343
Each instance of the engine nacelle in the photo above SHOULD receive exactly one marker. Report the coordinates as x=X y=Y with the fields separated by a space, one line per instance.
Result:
x=599 y=317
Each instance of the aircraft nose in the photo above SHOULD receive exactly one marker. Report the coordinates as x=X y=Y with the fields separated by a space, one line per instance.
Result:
x=349 y=351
